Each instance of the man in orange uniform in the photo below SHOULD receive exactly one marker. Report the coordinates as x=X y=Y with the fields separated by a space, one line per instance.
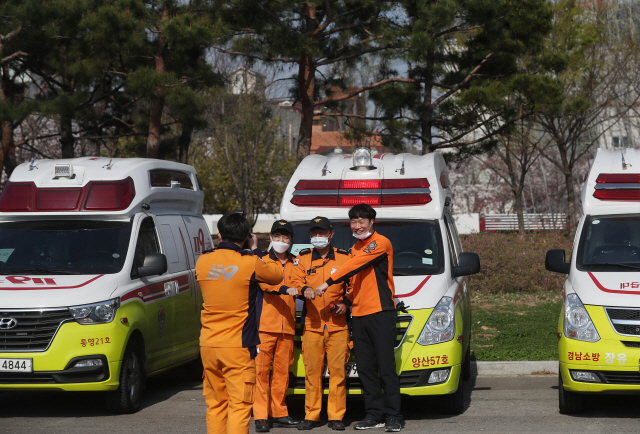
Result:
x=374 y=319
x=229 y=278
x=325 y=330
x=277 y=328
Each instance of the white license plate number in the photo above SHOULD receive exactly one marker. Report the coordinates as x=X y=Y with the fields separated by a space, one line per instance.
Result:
x=16 y=365
x=350 y=368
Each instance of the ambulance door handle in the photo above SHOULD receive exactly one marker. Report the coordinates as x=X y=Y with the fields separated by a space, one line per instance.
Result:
x=171 y=288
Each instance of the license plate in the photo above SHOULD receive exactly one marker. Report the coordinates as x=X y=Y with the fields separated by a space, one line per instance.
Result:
x=350 y=368
x=16 y=365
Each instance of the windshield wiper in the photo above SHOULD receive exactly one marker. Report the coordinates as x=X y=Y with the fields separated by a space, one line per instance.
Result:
x=608 y=264
x=39 y=271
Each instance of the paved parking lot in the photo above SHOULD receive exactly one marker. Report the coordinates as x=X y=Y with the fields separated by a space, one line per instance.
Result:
x=173 y=405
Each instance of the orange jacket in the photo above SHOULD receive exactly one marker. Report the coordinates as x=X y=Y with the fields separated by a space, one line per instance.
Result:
x=277 y=312
x=311 y=271
x=371 y=265
x=229 y=278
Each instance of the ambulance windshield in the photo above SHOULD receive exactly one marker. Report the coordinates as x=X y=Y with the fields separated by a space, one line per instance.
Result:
x=417 y=245
x=63 y=247
x=610 y=243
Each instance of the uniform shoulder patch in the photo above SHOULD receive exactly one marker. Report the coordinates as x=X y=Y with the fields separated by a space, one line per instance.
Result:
x=304 y=252
x=208 y=251
x=371 y=247
x=296 y=261
x=342 y=251
x=247 y=253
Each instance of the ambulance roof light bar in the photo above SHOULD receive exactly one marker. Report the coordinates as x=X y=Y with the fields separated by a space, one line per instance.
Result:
x=618 y=187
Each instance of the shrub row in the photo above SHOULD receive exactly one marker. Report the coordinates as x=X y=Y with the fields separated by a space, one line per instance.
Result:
x=512 y=262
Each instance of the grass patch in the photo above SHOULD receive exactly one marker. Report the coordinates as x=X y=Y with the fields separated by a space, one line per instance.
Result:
x=515 y=327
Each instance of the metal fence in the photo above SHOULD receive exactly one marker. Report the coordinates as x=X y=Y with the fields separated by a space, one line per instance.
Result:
x=509 y=222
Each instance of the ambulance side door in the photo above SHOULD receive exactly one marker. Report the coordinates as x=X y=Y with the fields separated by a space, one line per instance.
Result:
x=187 y=300
x=461 y=281
x=157 y=306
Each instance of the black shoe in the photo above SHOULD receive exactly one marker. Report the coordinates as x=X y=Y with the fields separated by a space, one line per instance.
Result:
x=306 y=424
x=393 y=424
x=285 y=422
x=336 y=425
x=262 y=425
x=368 y=423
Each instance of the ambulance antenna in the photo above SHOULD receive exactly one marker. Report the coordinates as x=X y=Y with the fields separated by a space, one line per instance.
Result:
x=31 y=165
x=108 y=165
x=401 y=170
x=624 y=164
x=325 y=170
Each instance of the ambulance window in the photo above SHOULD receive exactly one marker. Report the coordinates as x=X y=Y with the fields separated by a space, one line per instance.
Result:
x=452 y=251
x=454 y=234
x=417 y=244
x=163 y=178
x=610 y=243
x=147 y=243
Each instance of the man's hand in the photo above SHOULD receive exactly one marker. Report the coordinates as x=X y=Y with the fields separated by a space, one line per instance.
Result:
x=252 y=241
x=321 y=289
x=341 y=308
x=309 y=293
x=292 y=291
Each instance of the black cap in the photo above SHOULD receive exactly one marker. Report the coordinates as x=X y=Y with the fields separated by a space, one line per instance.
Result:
x=320 y=222
x=282 y=225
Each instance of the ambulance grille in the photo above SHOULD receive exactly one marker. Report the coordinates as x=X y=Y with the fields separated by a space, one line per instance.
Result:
x=624 y=313
x=620 y=377
x=625 y=321
x=34 y=330
x=631 y=344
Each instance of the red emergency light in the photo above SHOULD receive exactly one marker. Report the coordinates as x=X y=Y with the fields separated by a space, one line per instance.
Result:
x=619 y=178
x=342 y=193
x=95 y=196
x=618 y=187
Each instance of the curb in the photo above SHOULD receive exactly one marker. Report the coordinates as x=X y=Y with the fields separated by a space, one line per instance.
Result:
x=505 y=369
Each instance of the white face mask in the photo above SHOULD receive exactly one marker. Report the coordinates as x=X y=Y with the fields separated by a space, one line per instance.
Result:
x=320 y=242
x=279 y=246
x=364 y=235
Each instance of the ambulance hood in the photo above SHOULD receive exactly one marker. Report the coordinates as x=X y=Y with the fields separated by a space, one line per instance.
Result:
x=618 y=289
x=420 y=292
x=30 y=292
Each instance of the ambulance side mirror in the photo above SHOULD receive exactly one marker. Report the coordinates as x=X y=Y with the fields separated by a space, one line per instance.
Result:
x=468 y=263
x=555 y=261
x=154 y=265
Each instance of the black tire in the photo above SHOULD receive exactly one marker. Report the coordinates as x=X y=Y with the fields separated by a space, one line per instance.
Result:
x=569 y=402
x=194 y=369
x=453 y=403
x=128 y=397
x=466 y=364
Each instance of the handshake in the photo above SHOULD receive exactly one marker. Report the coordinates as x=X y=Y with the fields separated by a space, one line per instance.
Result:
x=310 y=294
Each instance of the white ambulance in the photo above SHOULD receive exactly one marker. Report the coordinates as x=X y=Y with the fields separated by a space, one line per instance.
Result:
x=599 y=327
x=97 y=285
x=411 y=196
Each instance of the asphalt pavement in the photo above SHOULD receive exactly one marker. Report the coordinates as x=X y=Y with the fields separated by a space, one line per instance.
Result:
x=520 y=403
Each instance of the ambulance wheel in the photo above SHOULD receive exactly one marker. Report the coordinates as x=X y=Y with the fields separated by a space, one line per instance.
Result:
x=569 y=402
x=453 y=403
x=194 y=369
x=466 y=364
x=128 y=397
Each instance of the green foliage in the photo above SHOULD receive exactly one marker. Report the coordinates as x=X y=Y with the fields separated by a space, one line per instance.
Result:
x=502 y=253
x=524 y=330
x=242 y=165
x=465 y=66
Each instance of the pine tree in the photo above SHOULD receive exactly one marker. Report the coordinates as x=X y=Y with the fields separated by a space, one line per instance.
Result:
x=463 y=61
x=310 y=36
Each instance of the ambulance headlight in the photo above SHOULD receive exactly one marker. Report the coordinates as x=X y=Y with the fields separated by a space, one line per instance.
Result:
x=441 y=325
x=362 y=158
x=97 y=313
x=577 y=322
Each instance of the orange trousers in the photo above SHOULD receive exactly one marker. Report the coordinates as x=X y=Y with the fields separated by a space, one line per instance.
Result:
x=229 y=384
x=314 y=347
x=276 y=348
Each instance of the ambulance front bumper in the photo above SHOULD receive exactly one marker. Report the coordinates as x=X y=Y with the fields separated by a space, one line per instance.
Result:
x=56 y=367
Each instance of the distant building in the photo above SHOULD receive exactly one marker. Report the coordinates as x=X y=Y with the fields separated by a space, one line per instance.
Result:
x=244 y=80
